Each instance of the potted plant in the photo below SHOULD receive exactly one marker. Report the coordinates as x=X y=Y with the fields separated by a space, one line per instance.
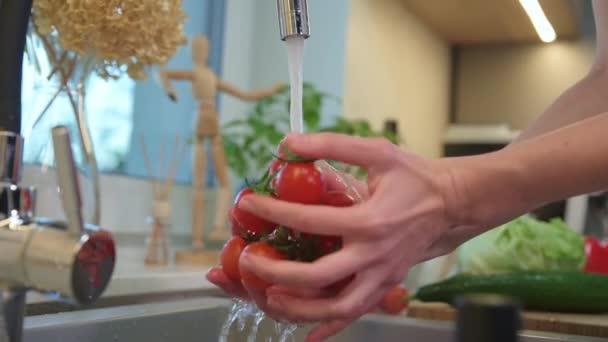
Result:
x=250 y=141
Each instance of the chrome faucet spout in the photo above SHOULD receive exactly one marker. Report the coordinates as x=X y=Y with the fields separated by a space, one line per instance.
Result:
x=71 y=259
x=293 y=18
x=68 y=180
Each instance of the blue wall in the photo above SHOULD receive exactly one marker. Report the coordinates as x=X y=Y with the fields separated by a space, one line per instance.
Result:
x=158 y=118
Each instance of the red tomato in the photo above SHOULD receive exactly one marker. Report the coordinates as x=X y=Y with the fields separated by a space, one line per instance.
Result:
x=275 y=165
x=596 y=254
x=234 y=225
x=338 y=199
x=299 y=182
x=230 y=255
x=394 y=301
x=261 y=249
x=246 y=223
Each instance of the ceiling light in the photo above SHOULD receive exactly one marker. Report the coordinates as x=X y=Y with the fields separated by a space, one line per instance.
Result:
x=539 y=20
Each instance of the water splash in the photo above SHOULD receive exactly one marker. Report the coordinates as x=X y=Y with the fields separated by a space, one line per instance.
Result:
x=238 y=313
x=287 y=330
x=258 y=318
x=243 y=312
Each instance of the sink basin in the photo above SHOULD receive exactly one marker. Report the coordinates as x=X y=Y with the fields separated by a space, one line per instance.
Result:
x=198 y=320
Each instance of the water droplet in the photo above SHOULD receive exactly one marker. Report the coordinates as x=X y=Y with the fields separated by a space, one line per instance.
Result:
x=259 y=317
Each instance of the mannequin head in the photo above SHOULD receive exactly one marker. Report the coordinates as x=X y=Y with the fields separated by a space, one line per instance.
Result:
x=200 y=49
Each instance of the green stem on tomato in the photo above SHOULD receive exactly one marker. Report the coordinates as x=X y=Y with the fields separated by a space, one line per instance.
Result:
x=263 y=186
x=293 y=159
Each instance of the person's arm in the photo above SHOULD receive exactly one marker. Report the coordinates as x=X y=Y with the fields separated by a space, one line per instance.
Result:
x=251 y=95
x=167 y=75
x=499 y=186
x=587 y=97
x=430 y=206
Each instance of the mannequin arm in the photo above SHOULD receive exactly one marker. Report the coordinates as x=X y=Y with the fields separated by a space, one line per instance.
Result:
x=251 y=95
x=167 y=75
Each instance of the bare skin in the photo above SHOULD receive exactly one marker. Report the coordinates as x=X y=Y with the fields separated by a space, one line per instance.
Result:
x=419 y=208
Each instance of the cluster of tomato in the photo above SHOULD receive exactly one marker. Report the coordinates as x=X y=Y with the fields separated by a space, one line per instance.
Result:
x=288 y=178
x=293 y=179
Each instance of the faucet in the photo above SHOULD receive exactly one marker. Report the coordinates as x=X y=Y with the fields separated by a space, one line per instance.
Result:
x=69 y=260
x=293 y=18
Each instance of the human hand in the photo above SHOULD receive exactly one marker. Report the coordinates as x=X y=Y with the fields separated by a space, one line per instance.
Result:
x=335 y=181
x=278 y=87
x=172 y=95
x=409 y=209
x=236 y=290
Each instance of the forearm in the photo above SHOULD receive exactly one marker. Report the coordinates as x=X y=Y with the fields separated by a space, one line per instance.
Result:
x=499 y=186
x=166 y=82
x=167 y=75
x=585 y=99
x=248 y=95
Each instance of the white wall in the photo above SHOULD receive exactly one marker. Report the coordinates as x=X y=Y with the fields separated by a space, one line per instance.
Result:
x=125 y=203
x=397 y=68
x=514 y=84
x=237 y=59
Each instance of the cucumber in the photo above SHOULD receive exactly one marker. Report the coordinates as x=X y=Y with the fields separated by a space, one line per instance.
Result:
x=575 y=292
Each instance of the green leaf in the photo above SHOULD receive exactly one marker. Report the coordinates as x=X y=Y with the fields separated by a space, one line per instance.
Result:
x=362 y=128
x=274 y=137
x=234 y=123
x=248 y=141
x=312 y=110
x=235 y=157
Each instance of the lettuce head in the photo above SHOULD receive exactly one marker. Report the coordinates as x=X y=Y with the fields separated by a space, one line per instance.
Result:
x=524 y=244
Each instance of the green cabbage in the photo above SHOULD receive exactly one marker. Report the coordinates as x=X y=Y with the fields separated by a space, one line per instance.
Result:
x=524 y=244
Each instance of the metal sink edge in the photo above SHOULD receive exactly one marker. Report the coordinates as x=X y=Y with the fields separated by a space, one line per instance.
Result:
x=200 y=319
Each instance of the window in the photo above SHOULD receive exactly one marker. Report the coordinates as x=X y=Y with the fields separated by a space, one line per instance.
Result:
x=121 y=111
x=109 y=110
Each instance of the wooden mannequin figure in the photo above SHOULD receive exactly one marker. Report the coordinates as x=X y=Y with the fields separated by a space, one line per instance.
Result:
x=205 y=87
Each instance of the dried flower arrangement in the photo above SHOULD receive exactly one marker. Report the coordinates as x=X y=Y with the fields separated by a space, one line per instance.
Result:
x=69 y=40
x=116 y=34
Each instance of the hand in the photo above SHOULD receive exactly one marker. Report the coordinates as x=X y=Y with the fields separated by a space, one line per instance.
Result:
x=409 y=209
x=277 y=87
x=172 y=95
x=236 y=290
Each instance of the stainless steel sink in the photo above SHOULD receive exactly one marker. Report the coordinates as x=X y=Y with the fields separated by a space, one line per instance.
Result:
x=200 y=320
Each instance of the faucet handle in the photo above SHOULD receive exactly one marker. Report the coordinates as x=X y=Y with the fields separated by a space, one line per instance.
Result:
x=67 y=179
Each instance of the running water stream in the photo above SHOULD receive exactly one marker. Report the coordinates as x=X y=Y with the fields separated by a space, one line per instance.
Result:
x=295 y=59
x=242 y=311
